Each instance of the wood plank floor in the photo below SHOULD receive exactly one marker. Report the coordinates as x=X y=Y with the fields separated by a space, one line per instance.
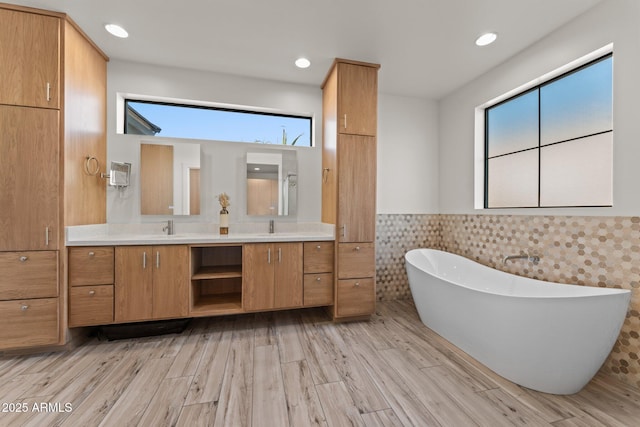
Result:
x=292 y=368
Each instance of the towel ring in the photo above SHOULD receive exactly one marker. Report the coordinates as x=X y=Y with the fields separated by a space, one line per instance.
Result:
x=88 y=163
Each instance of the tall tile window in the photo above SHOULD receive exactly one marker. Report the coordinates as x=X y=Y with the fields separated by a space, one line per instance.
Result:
x=552 y=146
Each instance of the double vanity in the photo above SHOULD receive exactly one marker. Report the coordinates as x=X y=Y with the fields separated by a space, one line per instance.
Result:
x=118 y=275
x=109 y=273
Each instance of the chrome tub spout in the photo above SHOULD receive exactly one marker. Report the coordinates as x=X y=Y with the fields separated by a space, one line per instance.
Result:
x=531 y=258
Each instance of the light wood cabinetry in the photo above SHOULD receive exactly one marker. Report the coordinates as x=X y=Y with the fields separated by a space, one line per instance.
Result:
x=29 y=59
x=29 y=298
x=29 y=178
x=91 y=265
x=357 y=98
x=52 y=115
x=29 y=322
x=90 y=305
x=356 y=260
x=272 y=276
x=140 y=283
x=355 y=297
x=318 y=273
x=28 y=275
x=91 y=277
x=151 y=282
x=356 y=188
x=349 y=181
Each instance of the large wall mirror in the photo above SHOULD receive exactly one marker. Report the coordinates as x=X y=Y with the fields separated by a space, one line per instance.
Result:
x=272 y=183
x=170 y=179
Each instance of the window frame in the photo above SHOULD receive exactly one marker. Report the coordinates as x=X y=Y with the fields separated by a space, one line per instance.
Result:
x=520 y=92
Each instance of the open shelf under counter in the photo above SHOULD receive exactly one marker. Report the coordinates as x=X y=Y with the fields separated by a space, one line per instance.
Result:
x=216 y=280
x=217 y=272
x=219 y=304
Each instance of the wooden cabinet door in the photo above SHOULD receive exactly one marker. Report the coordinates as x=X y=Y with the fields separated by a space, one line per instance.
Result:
x=28 y=274
x=356 y=297
x=288 y=275
x=356 y=188
x=258 y=276
x=357 y=99
x=91 y=266
x=170 y=281
x=29 y=59
x=28 y=178
x=356 y=260
x=90 y=305
x=133 y=283
x=29 y=322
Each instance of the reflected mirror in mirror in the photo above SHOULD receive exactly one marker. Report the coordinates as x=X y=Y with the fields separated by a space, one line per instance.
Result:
x=170 y=179
x=272 y=183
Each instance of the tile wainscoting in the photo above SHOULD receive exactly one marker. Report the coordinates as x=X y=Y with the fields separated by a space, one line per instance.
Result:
x=590 y=251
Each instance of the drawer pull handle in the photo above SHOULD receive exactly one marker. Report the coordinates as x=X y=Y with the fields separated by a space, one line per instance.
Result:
x=24 y=307
x=92 y=293
x=318 y=279
x=92 y=253
x=318 y=247
x=357 y=248
x=357 y=285
x=23 y=258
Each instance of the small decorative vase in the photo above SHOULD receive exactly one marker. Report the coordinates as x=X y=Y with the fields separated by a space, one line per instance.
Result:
x=224 y=221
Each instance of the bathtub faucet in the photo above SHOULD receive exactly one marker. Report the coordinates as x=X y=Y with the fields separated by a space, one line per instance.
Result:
x=534 y=259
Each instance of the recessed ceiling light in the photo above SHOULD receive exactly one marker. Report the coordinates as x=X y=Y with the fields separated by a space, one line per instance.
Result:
x=302 y=63
x=117 y=30
x=486 y=39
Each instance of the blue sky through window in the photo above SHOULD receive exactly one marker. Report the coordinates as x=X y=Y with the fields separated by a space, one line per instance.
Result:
x=513 y=126
x=180 y=121
x=577 y=105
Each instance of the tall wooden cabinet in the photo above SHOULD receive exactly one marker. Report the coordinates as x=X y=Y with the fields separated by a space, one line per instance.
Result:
x=52 y=115
x=349 y=108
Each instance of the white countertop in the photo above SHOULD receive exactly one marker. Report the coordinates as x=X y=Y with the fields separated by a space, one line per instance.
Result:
x=192 y=233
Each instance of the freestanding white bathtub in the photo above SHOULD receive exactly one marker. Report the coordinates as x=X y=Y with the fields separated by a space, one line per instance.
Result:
x=545 y=336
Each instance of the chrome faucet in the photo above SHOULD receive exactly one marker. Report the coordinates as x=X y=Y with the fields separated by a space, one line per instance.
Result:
x=169 y=228
x=271 y=226
x=534 y=259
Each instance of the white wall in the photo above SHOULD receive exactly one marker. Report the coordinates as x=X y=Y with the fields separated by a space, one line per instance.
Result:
x=407 y=180
x=222 y=162
x=614 y=21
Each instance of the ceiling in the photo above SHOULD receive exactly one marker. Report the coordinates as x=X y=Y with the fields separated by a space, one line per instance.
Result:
x=425 y=47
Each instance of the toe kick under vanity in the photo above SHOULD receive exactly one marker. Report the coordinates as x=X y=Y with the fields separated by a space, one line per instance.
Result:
x=120 y=279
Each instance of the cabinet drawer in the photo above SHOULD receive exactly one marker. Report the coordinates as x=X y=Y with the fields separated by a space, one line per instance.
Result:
x=90 y=305
x=356 y=297
x=28 y=274
x=318 y=289
x=318 y=257
x=356 y=260
x=28 y=323
x=90 y=266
